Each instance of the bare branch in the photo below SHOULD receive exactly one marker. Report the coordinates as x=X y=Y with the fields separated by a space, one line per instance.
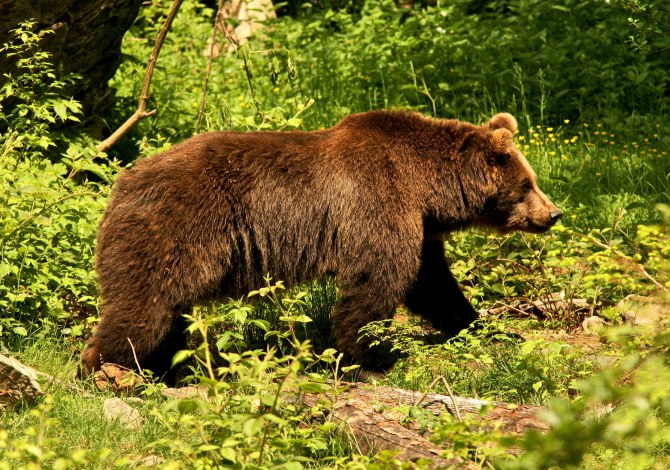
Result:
x=141 y=112
x=218 y=23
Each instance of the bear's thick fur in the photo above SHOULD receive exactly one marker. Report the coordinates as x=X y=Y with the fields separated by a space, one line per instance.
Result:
x=367 y=201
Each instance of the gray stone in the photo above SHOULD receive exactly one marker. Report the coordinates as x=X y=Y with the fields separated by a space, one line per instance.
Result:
x=127 y=416
x=18 y=383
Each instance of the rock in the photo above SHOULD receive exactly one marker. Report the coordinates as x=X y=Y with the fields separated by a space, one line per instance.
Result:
x=18 y=383
x=149 y=461
x=120 y=379
x=592 y=324
x=640 y=310
x=117 y=409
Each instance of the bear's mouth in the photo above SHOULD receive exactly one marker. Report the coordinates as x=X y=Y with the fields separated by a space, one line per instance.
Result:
x=538 y=228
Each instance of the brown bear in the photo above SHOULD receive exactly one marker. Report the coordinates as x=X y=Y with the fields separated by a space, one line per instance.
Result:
x=367 y=201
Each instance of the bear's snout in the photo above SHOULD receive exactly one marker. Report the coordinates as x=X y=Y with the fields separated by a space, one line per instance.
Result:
x=555 y=215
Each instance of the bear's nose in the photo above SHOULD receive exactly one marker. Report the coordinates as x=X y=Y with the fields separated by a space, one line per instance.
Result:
x=555 y=215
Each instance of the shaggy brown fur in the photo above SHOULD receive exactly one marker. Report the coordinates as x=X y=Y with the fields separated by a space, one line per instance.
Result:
x=367 y=201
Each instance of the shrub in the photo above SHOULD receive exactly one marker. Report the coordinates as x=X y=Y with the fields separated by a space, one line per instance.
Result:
x=48 y=207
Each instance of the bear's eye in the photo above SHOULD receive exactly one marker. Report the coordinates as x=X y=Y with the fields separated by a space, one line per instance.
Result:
x=526 y=186
x=498 y=159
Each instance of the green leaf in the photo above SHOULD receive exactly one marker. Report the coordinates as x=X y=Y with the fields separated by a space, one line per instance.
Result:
x=253 y=426
x=228 y=454
x=61 y=110
x=181 y=356
x=19 y=330
x=313 y=387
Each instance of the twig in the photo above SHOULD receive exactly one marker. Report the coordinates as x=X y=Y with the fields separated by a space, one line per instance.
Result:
x=626 y=258
x=240 y=53
x=451 y=395
x=137 y=362
x=218 y=20
x=453 y=399
x=141 y=112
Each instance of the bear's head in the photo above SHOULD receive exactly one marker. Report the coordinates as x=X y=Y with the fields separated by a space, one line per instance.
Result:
x=513 y=200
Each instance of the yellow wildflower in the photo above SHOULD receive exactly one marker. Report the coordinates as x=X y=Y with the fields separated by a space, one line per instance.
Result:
x=566 y=121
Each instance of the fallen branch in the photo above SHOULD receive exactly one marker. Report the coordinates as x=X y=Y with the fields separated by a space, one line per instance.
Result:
x=536 y=308
x=141 y=111
x=371 y=415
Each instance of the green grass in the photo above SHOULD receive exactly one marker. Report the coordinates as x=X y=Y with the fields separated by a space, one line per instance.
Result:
x=69 y=425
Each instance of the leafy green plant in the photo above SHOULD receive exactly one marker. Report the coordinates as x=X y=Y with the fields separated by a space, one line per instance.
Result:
x=459 y=60
x=488 y=361
x=33 y=95
x=33 y=446
x=48 y=208
x=253 y=414
x=234 y=100
x=620 y=418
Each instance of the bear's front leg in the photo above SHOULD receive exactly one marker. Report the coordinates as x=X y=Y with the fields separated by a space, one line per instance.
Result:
x=436 y=296
x=370 y=289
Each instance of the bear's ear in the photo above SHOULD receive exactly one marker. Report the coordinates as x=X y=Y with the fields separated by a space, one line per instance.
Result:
x=498 y=152
x=503 y=121
x=502 y=139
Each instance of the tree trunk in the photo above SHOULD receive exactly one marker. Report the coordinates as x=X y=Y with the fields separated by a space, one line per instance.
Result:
x=87 y=41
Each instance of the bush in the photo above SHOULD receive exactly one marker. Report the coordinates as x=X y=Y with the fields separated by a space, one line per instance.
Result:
x=49 y=209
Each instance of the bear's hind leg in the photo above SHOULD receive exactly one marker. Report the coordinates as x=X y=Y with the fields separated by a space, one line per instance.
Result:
x=155 y=334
